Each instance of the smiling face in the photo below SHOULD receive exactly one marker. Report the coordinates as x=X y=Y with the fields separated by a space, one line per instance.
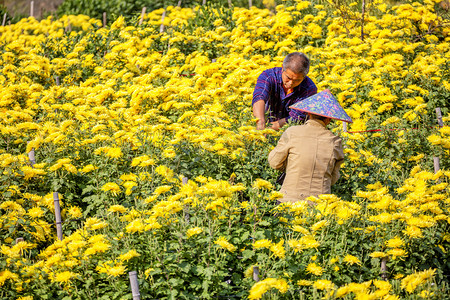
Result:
x=291 y=79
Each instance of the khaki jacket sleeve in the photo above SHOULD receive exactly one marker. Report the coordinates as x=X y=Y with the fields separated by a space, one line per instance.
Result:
x=339 y=157
x=278 y=156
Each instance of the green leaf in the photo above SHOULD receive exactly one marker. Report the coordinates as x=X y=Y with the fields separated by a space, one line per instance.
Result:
x=185 y=267
x=264 y=223
x=247 y=254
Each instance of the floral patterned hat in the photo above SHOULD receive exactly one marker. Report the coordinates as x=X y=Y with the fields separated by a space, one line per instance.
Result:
x=323 y=104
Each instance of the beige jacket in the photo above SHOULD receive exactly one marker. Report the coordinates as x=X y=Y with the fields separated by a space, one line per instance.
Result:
x=311 y=156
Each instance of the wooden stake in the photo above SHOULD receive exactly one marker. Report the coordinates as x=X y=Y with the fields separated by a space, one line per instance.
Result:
x=134 y=285
x=57 y=216
x=142 y=15
x=32 y=9
x=4 y=19
x=161 y=28
x=256 y=273
x=439 y=116
x=229 y=3
x=18 y=240
x=185 y=208
x=437 y=165
x=250 y=4
x=31 y=157
x=104 y=19
x=344 y=126
x=384 y=275
x=204 y=2
x=57 y=80
x=179 y=3
x=362 y=19
x=69 y=26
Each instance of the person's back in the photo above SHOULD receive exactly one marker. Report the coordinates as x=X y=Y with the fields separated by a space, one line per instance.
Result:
x=311 y=156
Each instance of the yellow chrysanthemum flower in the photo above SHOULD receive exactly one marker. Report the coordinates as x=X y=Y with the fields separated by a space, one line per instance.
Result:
x=223 y=242
x=193 y=231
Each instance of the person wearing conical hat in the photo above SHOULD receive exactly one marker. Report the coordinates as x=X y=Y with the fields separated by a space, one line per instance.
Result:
x=278 y=88
x=310 y=154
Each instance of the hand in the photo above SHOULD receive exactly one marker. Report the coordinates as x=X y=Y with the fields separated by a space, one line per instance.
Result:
x=275 y=125
x=260 y=124
x=278 y=124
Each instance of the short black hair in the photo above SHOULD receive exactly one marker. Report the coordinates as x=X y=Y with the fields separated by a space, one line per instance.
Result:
x=317 y=117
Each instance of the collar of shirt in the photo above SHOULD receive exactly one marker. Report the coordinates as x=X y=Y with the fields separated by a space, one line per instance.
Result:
x=279 y=74
x=315 y=122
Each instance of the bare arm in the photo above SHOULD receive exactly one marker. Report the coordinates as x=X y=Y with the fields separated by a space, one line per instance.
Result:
x=258 y=112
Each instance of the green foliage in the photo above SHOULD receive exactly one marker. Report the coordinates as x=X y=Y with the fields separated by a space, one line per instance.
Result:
x=130 y=9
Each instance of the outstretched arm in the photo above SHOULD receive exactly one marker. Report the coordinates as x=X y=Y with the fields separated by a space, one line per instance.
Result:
x=258 y=112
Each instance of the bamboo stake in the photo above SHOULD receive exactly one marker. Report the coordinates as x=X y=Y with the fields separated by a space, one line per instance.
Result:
x=142 y=15
x=32 y=9
x=57 y=216
x=134 y=285
x=4 y=19
x=439 y=117
x=256 y=273
x=104 y=19
x=161 y=28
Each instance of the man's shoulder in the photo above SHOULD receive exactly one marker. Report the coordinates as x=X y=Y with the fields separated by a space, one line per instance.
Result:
x=270 y=76
x=308 y=83
x=272 y=71
x=295 y=129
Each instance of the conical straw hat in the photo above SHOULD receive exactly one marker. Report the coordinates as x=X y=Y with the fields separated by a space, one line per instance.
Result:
x=323 y=104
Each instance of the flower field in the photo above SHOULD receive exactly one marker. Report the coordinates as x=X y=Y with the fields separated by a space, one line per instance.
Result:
x=145 y=132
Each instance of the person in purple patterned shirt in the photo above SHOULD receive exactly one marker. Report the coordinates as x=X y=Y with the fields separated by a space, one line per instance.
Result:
x=278 y=88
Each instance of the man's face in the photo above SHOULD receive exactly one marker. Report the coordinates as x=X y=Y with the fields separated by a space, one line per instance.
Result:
x=291 y=79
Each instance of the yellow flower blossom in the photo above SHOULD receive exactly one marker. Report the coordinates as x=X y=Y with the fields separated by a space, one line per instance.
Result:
x=411 y=282
x=111 y=187
x=223 y=242
x=129 y=255
x=262 y=184
x=262 y=244
x=261 y=287
x=314 y=269
x=351 y=260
